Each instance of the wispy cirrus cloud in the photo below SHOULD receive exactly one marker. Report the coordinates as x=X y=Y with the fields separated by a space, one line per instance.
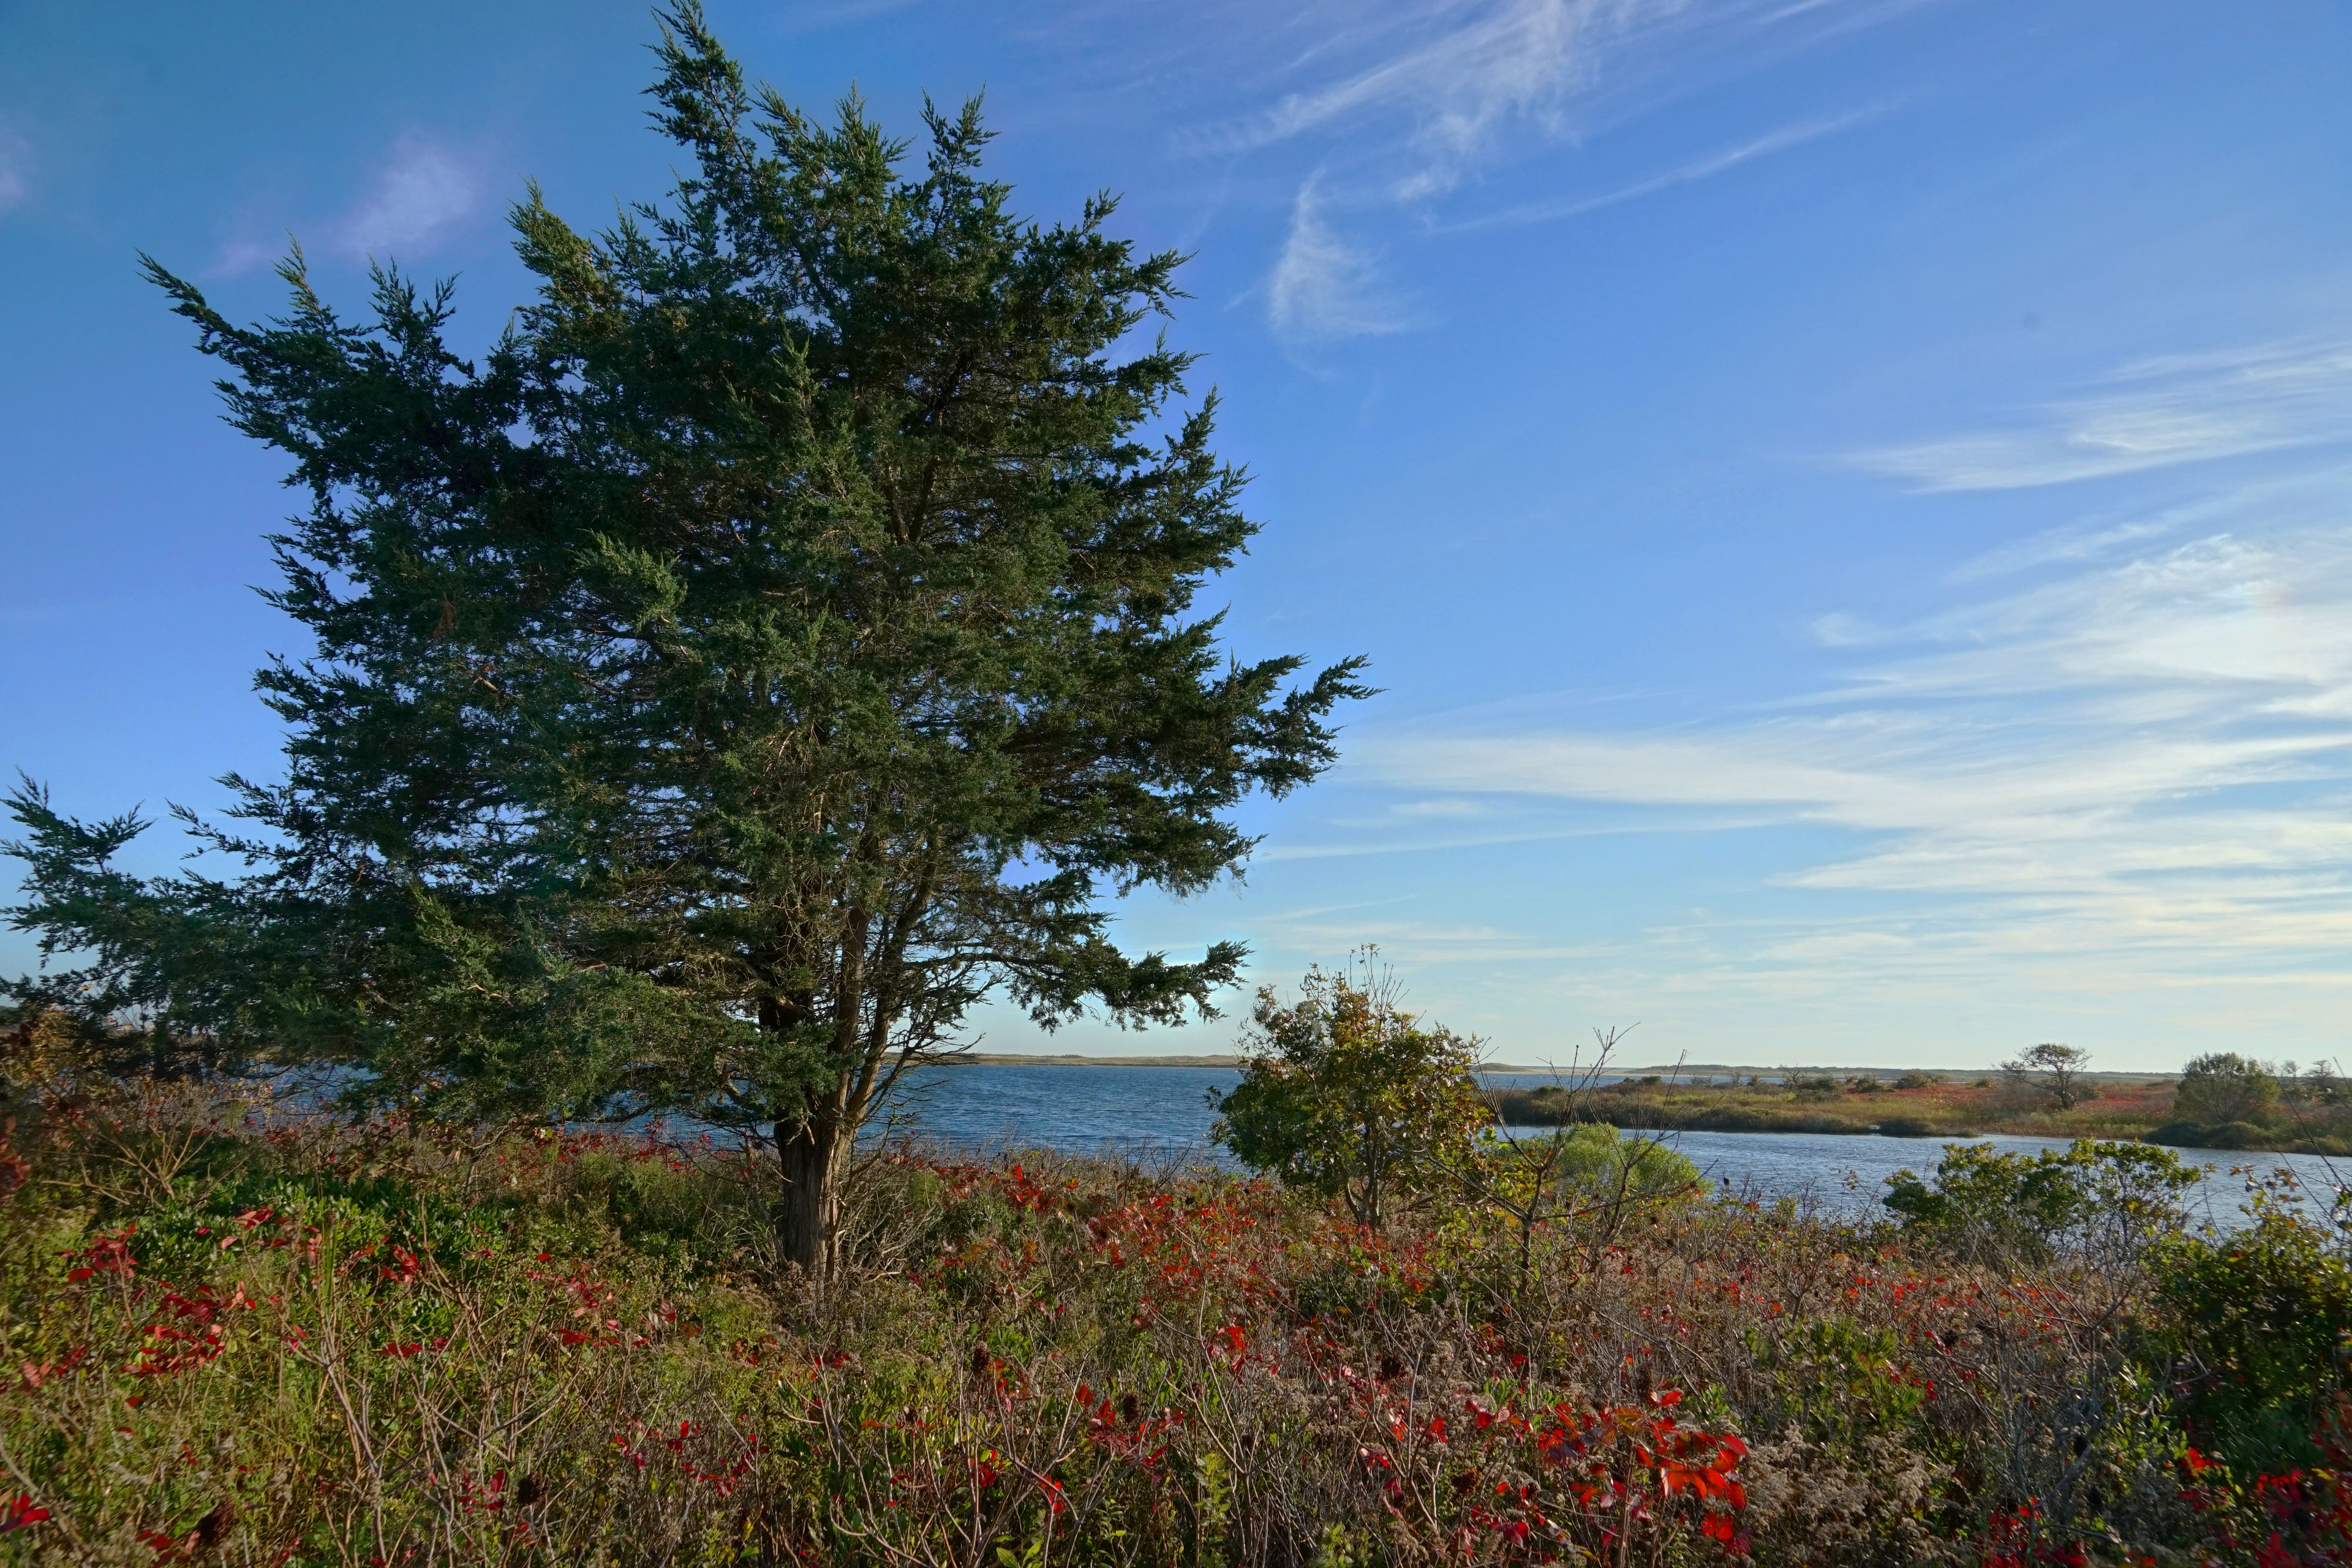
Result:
x=1697 y=169
x=2155 y=413
x=422 y=192
x=2308 y=498
x=1466 y=75
x=2145 y=766
x=1424 y=92
x=1323 y=287
x=1411 y=102
x=424 y=189
x=1461 y=76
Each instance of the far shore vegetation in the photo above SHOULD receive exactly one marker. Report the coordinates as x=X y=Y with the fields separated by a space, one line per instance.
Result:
x=2222 y=1101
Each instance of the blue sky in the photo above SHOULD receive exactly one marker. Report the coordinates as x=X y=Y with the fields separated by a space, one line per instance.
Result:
x=1850 y=500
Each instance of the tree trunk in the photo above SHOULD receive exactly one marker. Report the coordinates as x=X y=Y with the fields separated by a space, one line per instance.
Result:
x=808 y=1221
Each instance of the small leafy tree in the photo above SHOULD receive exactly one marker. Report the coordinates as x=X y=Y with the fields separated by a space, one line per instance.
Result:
x=2223 y=1087
x=2321 y=1084
x=1590 y=1172
x=1601 y=1163
x=779 y=640
x=2052 y=1071
x=1346 y=1094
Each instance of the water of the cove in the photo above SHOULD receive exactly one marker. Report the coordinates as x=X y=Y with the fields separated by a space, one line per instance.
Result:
x=1161 y=1115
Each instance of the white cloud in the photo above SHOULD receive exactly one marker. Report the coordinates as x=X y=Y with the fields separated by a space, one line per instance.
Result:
x=423 y=191
x=1697 y=169
x=241 y=254
x=1426 y=91
x=1407 y=99
x=2152 y=414
x=2312 y=498
x=15 y=169
x=1458 y=83
x=2147 y=765
x=1323 y=287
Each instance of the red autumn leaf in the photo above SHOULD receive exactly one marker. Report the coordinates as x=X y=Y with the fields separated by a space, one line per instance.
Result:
x=20 y=1511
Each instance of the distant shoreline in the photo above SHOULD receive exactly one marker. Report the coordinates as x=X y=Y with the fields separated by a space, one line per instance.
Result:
x=1024 y=1059
x=1669 y=1070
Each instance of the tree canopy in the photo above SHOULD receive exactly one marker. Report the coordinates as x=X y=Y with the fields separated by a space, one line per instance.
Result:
x=1345 y=1093
x=780 y=638
x=2054 y=1071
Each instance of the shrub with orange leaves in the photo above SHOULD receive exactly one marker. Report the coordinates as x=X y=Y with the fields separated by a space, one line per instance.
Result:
x=310 y=1341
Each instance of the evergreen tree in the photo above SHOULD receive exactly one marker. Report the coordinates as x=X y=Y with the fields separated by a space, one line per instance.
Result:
x=779 y=641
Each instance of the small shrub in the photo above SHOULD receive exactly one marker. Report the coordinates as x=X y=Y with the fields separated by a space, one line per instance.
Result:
x=2111 y=1200
x=1918 y=1127
x=1345 y=1094
x=1599 y=1161
x=2259 y=1330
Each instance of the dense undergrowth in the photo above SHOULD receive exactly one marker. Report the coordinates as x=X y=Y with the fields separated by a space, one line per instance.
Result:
x=236 y=1338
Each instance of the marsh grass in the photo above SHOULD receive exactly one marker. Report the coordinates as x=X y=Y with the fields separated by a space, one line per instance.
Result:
x=1821 y=1103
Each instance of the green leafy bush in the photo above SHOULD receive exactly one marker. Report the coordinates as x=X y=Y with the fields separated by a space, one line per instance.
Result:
x=2113 y=1199
x=2255 y=1329
x=1346 y=1094
x=1599 y=1161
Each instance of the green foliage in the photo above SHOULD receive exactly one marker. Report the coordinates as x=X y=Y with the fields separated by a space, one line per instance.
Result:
x=1838 y=1379
x=164 y=962
x=2257 y=1329
x=774 y=645
x=2113 y=1199
x=1598 y=1162
x=2224 y=1087
x=1347 y=1095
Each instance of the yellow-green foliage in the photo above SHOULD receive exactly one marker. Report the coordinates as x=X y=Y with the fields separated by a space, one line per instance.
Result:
x=1346 y=1094
x=1599 y=1163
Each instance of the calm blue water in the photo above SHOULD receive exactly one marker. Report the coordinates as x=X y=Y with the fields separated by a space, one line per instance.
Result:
x=1162 y=1115
x=1144 y=1113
